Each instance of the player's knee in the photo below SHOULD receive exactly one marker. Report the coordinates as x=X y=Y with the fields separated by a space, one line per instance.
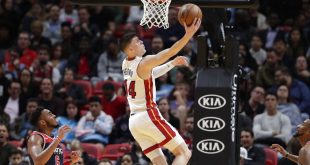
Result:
x=187 y=154
x=183 y=151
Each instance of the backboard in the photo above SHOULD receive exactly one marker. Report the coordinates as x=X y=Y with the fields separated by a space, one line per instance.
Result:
x=200 y=3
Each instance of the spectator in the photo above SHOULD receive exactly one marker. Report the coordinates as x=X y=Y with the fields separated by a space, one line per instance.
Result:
x=288 y=108
x=112 y=104
x=180 y=95
x=69 y=14
x=175 y=31
x=125 y=160
x=95 y=126
x=4 y=83
x=28 y=87
x=70 y=118
x=52 y=26
x=23 y=44
x=244 y=121
x=188 y=132
x=164 y=108
x=76 y=145
x=5 y=147
x=68 y=90
x=243 y=29
x=43 y=68
x=272 y=126
x=16 y=158
x=296 y=43
x=35 y=12
x=258 y=20
x=282 y=54
x=301 y=71
x=135 y=14
x=121 y=132
x=84 y=26
x=163 y=86
x=14 y=104
x=47 y=98
x=243 y=156
x=254 y=105
x=137 y=155
x=157 y=45
x=58 y=58
x=110 y=62
x=22 y=125
x=68 y=42
x=256 y=153
x=13 y=66
x=265 y=75
x=105 y=161
x=245 y=58
x=8 y=13
x=84 y=61
x=272 y=33
x=299 y=91
x=37 y=39
x=257 y=51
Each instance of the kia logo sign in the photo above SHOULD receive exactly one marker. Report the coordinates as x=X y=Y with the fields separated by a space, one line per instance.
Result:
x=211 y=124
x=212 y=101
x=210 y=146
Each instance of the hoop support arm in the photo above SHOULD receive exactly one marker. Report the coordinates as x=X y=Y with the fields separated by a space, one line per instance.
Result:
x=200 y=3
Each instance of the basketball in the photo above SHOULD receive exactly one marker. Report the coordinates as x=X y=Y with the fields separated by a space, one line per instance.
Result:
x=188 y=13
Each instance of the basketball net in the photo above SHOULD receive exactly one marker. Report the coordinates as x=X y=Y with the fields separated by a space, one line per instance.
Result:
x=155 y=13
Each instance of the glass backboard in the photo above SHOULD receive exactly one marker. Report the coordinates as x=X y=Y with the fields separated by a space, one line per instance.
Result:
x=200 y=3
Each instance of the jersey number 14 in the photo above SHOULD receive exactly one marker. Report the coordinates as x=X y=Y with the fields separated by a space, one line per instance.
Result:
x=131 y=90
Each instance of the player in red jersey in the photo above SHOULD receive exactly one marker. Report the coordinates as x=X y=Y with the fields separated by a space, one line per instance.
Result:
x=42 y=148
x=146 y=124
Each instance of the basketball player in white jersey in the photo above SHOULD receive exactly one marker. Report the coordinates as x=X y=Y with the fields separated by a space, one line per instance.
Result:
x=146 y=124
x=303 y=135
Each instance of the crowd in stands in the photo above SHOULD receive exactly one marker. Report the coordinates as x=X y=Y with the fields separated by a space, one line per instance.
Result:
x=65 y=57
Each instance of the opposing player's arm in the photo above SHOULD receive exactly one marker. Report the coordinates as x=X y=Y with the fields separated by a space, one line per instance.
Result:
x=304 y=155
x=35 y=150
x=149 y=62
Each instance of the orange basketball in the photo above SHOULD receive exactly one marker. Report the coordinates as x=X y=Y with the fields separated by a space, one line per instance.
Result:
x=188 y=13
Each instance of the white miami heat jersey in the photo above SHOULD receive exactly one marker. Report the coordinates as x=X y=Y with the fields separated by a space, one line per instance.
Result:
x=140 y=93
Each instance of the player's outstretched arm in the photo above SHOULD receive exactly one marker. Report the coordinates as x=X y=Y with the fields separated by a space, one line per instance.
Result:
x=35 y=150
x=151 y=61
x=284 y=153
x=164 y=68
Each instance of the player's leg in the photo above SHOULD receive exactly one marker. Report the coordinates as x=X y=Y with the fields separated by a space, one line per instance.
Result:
x=182 y=154
x=157 y=157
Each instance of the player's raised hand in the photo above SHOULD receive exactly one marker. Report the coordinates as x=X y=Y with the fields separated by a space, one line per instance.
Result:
x=180 y=60
x=191 y=29
x=63 y=130
x=279 y=149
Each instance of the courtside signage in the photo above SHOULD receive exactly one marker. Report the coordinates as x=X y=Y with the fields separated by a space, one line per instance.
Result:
x=212 y=101
x=210 y=146
x=211 y=124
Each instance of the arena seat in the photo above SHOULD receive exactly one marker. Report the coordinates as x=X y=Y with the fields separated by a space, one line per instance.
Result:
x=92 y=150
x=271 y=156
x=16 y=143
x=87 y=86
x=98 y=86
x=114 y=151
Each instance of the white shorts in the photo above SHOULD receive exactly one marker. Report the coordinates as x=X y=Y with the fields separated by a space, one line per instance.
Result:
x=152 y=132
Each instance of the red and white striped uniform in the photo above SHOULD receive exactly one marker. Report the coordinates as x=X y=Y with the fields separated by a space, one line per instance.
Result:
x=146 y=124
